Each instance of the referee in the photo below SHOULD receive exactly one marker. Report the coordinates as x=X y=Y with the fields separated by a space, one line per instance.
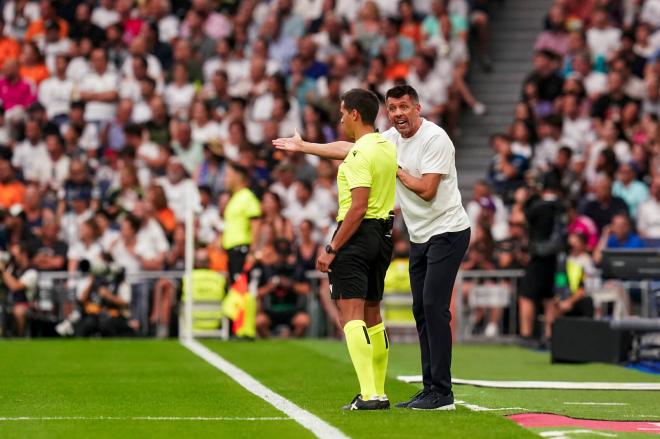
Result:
x=361 y=249
x=241 y=220
x=439 y=228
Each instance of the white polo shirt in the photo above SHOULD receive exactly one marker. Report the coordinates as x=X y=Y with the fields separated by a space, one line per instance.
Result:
x=429 y=151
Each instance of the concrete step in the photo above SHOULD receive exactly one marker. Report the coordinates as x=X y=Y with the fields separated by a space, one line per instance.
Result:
x=515 y=26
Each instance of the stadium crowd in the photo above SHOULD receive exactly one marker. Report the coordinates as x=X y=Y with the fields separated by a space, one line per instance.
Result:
x=116 y=114
x=578 y=169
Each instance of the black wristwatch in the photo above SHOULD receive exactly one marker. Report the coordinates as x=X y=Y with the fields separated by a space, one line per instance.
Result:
x=330 y=250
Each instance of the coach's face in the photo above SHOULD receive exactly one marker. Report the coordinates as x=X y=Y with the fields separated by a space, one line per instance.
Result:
x=403 y=113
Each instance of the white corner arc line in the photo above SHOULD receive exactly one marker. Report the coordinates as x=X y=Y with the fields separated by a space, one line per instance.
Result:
x=313 y=423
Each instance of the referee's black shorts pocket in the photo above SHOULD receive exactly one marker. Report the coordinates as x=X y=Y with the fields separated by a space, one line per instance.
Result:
x=358 y=271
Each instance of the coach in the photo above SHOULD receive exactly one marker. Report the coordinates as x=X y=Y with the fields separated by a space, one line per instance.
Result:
x=439 y=229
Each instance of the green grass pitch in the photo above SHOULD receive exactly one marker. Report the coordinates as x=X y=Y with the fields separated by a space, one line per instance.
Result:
x=123 y=380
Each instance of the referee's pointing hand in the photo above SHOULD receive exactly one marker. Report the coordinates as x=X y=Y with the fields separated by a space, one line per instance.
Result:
x=293 y=144
x=324 y=261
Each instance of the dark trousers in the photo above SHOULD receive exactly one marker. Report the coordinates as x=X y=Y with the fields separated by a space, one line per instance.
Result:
x=433 y=268
x=236 y=260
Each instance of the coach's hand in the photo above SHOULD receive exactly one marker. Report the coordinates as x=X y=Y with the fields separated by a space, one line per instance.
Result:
x=294 y=144
x=324 y=261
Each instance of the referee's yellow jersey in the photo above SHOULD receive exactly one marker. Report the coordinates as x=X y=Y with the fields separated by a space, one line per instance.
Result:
x=371 y=163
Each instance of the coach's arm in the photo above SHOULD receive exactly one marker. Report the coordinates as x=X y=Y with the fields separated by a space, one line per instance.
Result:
x=426 y=187
x=334 y=150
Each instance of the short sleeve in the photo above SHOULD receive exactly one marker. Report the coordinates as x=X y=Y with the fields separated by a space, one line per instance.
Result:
x=29 y=279
x=252 y=207
x=357 y=170
x=438 y=156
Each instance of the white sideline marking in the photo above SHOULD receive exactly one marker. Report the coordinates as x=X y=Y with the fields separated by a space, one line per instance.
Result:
x=316 y=425
x=565 y=434
x=567 y=385
x=596 y=403
x=138 y=418
x=478 y=408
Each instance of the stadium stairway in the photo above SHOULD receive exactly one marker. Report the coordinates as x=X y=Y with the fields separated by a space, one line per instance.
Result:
x=515 y=24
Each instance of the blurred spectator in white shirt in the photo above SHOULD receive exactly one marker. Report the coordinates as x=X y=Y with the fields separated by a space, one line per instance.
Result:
x=99 y=89
x=56 y=92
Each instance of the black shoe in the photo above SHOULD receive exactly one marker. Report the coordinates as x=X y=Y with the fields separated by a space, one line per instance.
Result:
x=421 y=394
x=384 y=403
x=371 y=404
x=434 y=401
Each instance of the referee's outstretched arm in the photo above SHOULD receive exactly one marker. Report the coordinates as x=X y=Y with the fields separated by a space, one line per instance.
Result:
x=334 y=150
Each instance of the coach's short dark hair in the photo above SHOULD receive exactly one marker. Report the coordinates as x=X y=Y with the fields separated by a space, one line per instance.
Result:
x=400 y=91
x=365 y=102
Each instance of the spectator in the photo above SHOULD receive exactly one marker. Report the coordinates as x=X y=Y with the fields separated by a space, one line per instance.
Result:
x=543 y=213
x=104 y=15
x=545 y=152
x=51 y=252
x=545 y=76
x=273 y=222
x=579 y=267
x=304 y=207
x=14 y=91
x=506 y=169
x=602 y=208
x=99 y=89
x=648 y=218
x=55 y=93
x=211 y=172
x=12 y=191
x=54 y=170
x=282 y=292
x=21 y=280
x=487 y=208
x=204 y=128
x=86 y=249
x=602 y=37
x=9 y=47
x=37 y=28
x=157 y=203
x=617 y=234
x=188 y=150
x=165 y=290
x=29 y=153
x=180 y=93
x=630 y=190
x=181 y=191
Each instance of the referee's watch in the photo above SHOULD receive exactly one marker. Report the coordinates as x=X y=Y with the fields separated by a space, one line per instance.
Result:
x=330 y=250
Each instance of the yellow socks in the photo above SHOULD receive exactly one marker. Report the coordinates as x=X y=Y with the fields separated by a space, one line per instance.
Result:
x=381 y=349
x=361 y=351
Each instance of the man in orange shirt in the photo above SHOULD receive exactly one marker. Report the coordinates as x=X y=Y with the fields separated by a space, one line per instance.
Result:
x=37 y=28
x=12 y=191
x=9 y=48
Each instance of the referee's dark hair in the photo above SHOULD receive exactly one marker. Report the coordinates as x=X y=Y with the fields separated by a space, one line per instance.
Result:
x=400 y=91
x=365 y=102
x=239 y=169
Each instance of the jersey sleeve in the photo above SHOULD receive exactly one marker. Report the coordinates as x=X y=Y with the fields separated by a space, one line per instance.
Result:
x=438 y=156
x=358 y=170
x=252 y=207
